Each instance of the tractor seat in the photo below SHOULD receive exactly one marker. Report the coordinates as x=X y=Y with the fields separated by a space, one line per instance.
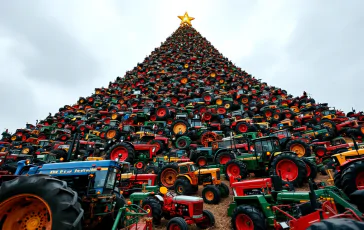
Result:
x=126 y=175
x=187 y=198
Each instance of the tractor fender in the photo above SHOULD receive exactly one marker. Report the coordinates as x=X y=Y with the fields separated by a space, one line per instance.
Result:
x=22 y=166
x=185 y=176
x=129 y=143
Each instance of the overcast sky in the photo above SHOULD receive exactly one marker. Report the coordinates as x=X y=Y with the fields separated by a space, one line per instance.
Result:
x=52 y=52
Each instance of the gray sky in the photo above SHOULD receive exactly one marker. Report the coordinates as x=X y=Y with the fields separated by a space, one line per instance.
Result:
x=52 y=52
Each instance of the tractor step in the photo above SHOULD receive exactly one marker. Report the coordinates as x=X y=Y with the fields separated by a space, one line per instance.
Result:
x=138 y=226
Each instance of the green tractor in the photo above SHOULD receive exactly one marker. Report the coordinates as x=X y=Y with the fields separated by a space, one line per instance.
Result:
x=264 y=156
x=266 y=204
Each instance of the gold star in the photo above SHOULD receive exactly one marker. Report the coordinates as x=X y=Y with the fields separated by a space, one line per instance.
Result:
x=185 y=19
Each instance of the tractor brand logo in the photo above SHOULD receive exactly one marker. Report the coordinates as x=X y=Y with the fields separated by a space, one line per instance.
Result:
x=70 y=171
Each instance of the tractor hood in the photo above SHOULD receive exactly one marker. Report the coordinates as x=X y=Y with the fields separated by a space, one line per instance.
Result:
x=206 y=171
x=182 y=198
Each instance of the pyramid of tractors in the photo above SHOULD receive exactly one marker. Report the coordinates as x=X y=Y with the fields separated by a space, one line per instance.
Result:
x=187 y=94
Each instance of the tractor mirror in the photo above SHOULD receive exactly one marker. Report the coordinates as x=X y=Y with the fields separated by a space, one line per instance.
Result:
x=163 y=190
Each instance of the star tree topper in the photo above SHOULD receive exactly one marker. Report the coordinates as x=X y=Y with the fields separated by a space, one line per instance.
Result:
x=185 y=19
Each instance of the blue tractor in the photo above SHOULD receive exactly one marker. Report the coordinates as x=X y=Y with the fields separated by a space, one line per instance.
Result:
x=59 y=196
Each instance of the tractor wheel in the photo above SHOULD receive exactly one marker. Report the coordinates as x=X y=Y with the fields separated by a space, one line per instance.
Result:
x=211 y=194
x=41 y=202
x=357 y=198
x=336 y=223
x=241 y=127
x=223 y=157
x=290 y=167
x=201 y=161
x=179 y=127
x=248 y=217
x=177 y=223
x=320 y=151
x=160 y=145
x=168 y=175
x=268 y=113
x=337 y=179
x=125 y=150
x=208 y=137
x=224 y=190
x=183 y=142
x=328 y=123
x=59 y=153
x=235 y=168
x=27 y=150
x=162 y=113
x=301 y=148
x=112 y=133
x=208 y=220
x=352 y=177
x=311 y=168
x=155 y=209
x=182 y=186
x=276 y=117
x=151 y=169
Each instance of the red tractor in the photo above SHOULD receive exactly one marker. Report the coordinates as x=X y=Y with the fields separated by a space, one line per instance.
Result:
x=180 y=210
x=130 y=182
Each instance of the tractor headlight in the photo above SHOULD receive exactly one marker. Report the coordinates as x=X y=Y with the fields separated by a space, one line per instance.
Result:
x=334 y=160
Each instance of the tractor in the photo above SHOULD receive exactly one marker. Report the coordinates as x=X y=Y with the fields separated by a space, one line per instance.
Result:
x=271 y=206
x=294 y=144
x=92 y=199
x=129 y=216
x=266 y=157
x=186 y=177
x=9 y=161
x=180 y=210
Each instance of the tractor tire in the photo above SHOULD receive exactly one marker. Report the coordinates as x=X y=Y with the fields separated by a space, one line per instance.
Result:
x=328 y=123
x=126 y=151
x=45 y=196
x=208 y=221
x=337 y=223
x=161 y=147
x=241 y=127
x=301 y=148
x=179 y=127
x=151 y=169
x=162 y=113
x=167 y=176
x=357 y=198
x=291 y=167
x=352 y=177
x=182 y=186
x=183 y=142
x=201 y=161
x=320 y=151
x=236 y=168
x=208 y=137
x=177 y=223
x=224 y=190
x=59 y=153
x=112 y=133
x=155 y=209
x=311 y=168
x=224 y=157
x=248 y=217
x=211 y=194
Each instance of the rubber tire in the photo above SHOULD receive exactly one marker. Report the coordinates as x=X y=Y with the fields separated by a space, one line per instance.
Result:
x=329 y=121
x=337 y=223
x=220 y=154
x=304 y=144
x=253 y=213
x=201 y=158
x=131 y=153
x=162 y=118
x=237 y=127
x=357 y=198
x=62 y=200
x=313 y=168
x=178 y=221
x=108 y=221
x=185 y=138
x=185 y=184
x=302 y=172
x=215 y=191
x=173 y=166
x=337 y=179
x=349 y=175
x=180 y=121
x=156 y=209
x=210 y=220
x=242 y=167
x=224 y=190
x=116 y=137
x=161 y=145
x=320 y=148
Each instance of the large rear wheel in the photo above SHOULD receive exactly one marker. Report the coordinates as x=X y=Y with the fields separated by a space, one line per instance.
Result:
x=39 y=202
x=248 y=217
x=352 y=177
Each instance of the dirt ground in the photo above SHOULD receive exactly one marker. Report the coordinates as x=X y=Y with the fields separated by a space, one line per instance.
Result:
x=220 y=210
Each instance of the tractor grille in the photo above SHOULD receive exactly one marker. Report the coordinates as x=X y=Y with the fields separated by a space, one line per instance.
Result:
x=218 y=175
x=197 y=210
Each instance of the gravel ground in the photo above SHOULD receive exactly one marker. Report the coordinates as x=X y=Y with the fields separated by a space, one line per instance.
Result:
x=220 y=210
